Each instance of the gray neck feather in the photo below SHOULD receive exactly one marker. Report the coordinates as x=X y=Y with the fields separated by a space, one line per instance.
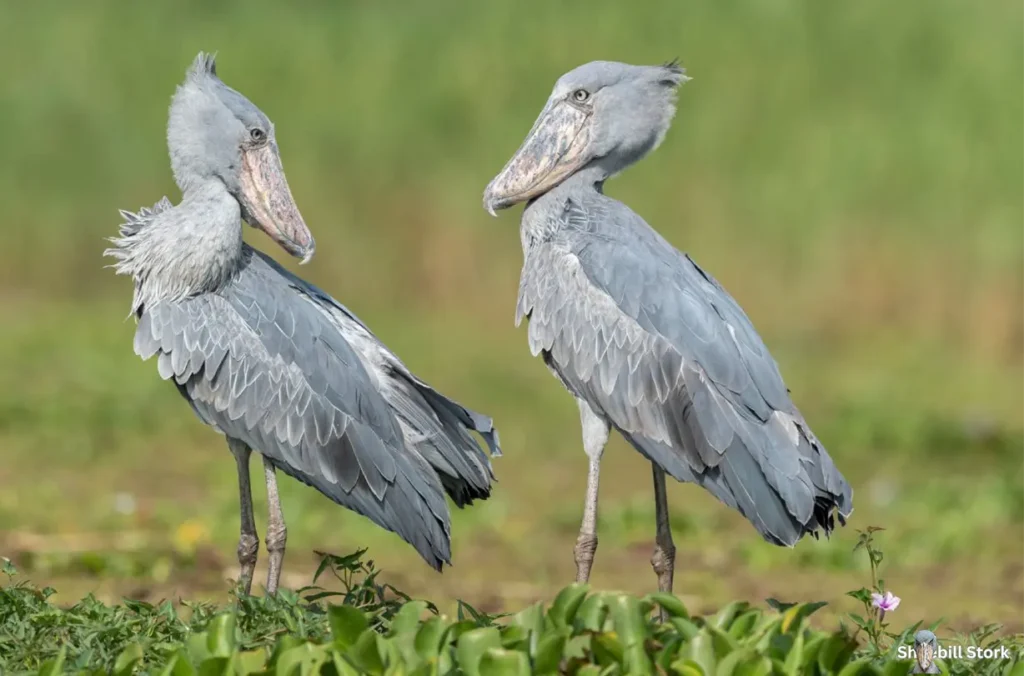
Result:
x=542 y=215
x=173 y=252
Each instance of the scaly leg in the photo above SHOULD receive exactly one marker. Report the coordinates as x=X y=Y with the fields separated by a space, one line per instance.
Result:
x=663 y=560
x=248 y=541
x=595 y=436
x=277 y=533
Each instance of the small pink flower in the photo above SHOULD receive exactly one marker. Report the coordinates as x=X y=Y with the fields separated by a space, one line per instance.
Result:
x=886 y=603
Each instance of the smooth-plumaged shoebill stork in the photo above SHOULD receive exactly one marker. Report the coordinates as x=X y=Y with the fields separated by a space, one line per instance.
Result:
x=272 y=362
x=649 y=343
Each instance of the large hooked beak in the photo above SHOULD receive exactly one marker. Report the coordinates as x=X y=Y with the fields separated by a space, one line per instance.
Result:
x=555 y=148
x=268 y=203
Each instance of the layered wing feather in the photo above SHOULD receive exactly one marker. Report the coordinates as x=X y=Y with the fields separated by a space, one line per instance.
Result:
x=657 y=345
x=260 y=361
x=438 y=428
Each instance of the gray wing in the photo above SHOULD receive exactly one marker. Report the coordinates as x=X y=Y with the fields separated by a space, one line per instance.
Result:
x=436 y=426
x=261 y=363
x=645 y=336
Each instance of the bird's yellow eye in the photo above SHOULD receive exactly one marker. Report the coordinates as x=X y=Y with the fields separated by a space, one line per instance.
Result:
x=580 y=95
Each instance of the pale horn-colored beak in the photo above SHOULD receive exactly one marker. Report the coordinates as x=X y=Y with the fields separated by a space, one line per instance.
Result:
x=554 y=149
x=268 y=202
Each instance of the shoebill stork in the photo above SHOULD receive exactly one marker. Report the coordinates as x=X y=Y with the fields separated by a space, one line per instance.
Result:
x=647 y=342
x=272 y=362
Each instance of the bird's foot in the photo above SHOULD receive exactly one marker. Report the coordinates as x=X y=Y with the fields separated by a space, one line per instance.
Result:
x=248 y=548
x=586 y=546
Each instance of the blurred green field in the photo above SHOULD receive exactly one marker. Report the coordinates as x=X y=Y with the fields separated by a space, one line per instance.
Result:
x=852 y=173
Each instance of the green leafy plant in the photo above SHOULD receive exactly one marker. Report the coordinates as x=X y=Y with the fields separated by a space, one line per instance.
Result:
x=370 y=628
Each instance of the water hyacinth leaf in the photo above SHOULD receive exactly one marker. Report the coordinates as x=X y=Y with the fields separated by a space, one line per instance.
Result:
x=722 y=642
x=445 y=660
x=366 y=652
x=563 y=609
x=635 y=660
x=741 y=627
x=284 y=644
x=342 y=666
x=897 y=668
x=834 y=652
x=303 y=659
x=514 y=637
x=795 y=657
x=531 y=618
x=701 y=650
x=407 y=618
x=178 y=665
x=729 y=665
x=456 y=630
x=548 y=655
x=780 y=645
x=215 y=666
x=220 y=635
x=591 y=613
x=607 y=648
x=668 y=652
x=428 y=638
x=500 y=662
x=670 y=603
x=1016 y=670
x=688 y=668
x=628 y=619
x=250 y=662
x=758 y=666
x=197 y=646
x=126 y=661
x=685 y=627
x=724 y=617
x=855 y=668
x=472 y=645
x=347 y=623
x=54 y=667
x=809 y=654
x=795 y=615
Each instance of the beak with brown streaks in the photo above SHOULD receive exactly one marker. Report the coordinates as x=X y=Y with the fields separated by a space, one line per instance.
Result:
x=268 y=203
x=554 y=149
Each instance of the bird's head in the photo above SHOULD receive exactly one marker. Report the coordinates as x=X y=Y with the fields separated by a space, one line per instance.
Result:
x=602 y=114
x=214 y=133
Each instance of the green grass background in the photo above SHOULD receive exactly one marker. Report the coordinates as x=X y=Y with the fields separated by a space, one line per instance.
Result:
x=851 y=172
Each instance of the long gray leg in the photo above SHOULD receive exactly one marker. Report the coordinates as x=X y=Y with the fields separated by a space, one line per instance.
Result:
x=248 y=541
x=595 y=436
x=277 y=533
x=663 y=560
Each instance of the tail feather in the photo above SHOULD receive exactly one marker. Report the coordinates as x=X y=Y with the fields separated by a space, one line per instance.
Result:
x=439 y=428
x=742 y=481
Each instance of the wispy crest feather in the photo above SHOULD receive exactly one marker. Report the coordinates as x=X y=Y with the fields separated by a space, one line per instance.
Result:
x=674 y=73
x=204 y=65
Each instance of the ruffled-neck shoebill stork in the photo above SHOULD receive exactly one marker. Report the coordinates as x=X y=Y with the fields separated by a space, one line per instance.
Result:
x=649 y=343
x=271 y=361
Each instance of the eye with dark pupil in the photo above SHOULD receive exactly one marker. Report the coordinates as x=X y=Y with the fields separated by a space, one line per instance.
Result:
x=256 y=134
x=581 y=95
